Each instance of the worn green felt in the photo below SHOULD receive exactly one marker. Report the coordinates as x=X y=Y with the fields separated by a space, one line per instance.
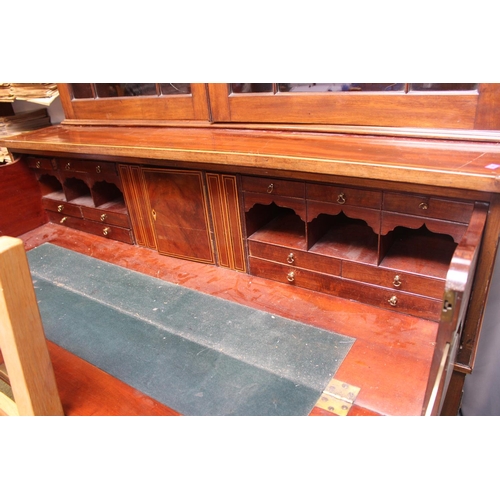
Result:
x=198 y=354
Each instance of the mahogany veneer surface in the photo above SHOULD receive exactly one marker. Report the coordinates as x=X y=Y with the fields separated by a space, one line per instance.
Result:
x=21 y=206
x=389 y=361
x=427 y=162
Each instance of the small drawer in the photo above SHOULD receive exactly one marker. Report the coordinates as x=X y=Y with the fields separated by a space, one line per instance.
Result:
x=88 y=226
x=41 y=163
x=395 y=280
x=302 y=278
x=341 y=195
x=277 y=187
x=295 y=258
x=106 y=216
x=426 y=206
x=86 y=166
x=397 y=301
x=61 y=207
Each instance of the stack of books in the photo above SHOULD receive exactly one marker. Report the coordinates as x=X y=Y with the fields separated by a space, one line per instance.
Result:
x=21 y=122
x=6 y=93
x=28 y=91
x=40 y=93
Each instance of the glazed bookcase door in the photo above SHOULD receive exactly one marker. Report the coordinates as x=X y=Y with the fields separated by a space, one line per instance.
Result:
x=444 y=106
x=134 y=102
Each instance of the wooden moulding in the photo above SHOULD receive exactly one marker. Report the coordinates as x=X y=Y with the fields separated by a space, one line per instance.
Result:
x=22 y=339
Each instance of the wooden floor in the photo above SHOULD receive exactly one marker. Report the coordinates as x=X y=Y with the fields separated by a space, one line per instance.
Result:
x=389 y=361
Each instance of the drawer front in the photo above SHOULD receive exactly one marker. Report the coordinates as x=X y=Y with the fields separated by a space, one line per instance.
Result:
x=41 y=163
x=277 y=187
x=106 y=216
x=395 y=280
x=295 y=258
x=424 y=206
x=62 y=208
x=86 y=166
x=341 y=195
x=294 y=276
x=88 y=226
x=397 y=301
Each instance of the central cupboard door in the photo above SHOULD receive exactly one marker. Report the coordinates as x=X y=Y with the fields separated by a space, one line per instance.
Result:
x=179 y=213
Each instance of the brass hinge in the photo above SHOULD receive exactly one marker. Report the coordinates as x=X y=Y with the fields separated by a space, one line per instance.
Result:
x=338 y=397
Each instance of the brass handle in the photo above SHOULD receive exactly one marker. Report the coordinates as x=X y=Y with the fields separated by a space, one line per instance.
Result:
x=270 y=188
x=153 y=213
x=291 y=258
x=393 y=301
x=38 y=164
x=106 y=231
x=397 y=281
x=98 y=169
x=63 y=220
x=60 y=208
x=67 y=166
x=423 y=206
x=103 y=217
x=291 y=277
x=341 y=199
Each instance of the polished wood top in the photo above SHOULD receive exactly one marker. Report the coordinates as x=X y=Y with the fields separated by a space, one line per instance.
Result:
x=467 y=165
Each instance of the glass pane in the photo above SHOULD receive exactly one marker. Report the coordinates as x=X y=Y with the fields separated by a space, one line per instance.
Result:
x=125 y=89
x=175 y=88
x=82 y=90
x=243 y=88
x=443 y=86
x=340 y=87
x=378 y=87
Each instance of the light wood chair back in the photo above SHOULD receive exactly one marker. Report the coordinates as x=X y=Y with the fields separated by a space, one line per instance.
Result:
x=23 y=346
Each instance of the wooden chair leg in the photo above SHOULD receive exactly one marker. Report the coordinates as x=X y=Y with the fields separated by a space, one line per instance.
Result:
x=22 y=339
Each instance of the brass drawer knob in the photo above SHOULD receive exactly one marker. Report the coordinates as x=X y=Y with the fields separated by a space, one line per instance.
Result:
x=67 y=166
x=393 y=301
x=341 y=199
x=291 y=277
x=63 y=220
x=106 y=231
x=270 y=188
x=38 y=164
x=291 y=258
x=397 y=281
x=103 y=217
x=423 y=206
x=60 y=208
x=98 y=169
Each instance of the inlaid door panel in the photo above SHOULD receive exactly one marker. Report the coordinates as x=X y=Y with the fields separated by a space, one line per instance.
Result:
x=179 y=214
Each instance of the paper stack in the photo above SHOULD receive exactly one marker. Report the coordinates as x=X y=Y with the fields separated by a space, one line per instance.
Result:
x=21 y=122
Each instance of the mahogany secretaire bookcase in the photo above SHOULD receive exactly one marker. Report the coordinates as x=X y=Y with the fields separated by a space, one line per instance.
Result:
x=383 y=198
